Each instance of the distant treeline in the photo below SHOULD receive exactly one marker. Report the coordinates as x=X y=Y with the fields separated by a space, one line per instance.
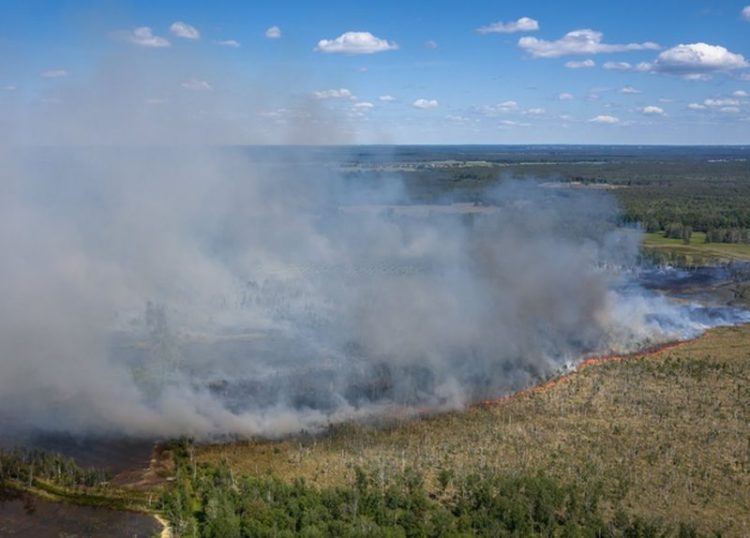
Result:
x=656 y=190
x=24 y=465
x=716 y=204
x=208 y=500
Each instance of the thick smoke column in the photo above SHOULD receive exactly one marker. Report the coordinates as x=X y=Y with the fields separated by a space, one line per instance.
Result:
x=162 y=292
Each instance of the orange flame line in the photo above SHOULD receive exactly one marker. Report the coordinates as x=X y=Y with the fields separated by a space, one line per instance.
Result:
x=591 y=361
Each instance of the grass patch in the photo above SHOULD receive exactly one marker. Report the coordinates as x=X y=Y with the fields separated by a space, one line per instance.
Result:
x=698 y=252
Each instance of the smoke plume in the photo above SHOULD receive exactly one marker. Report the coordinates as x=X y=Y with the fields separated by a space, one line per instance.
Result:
x=202 y=292
x=164 y=290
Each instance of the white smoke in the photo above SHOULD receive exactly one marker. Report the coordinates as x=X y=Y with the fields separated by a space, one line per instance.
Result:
x=162 y=292
x=207 y=291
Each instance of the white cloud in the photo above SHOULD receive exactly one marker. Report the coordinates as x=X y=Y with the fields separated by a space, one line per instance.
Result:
x=534 y=111
x=274 y=32
x=341 y=93
x=584 y=64
x=723 y=105
x=698 y=59
x=583 y=41
x=618 y=66
x=740 y=93
x=197 y=85
x=364 y=105
x=387 y=98
x=524 y=24
x=425 y=103
x=184 y=30
x=500 y=108
x=610 y=120
x=229 y=43
x=653 y=111
x=565 y=96
x=746 y=13
x=629 y=90
x=642 y=67
x=54 y=73
x=431 y=44
x=511 y=123
x=714 y=103
x=8 y=88
x=143 y=36
x=355 y=43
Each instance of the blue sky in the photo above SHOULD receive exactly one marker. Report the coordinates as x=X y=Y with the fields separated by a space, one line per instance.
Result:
x=635 y=72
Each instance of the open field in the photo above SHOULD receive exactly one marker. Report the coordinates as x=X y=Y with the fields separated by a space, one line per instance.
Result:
x=665 y=434
x=698 y=249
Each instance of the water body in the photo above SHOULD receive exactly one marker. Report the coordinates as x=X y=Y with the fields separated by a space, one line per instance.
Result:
x=23 y=515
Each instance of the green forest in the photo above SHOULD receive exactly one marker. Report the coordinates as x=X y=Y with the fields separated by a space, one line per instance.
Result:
x=208 y=500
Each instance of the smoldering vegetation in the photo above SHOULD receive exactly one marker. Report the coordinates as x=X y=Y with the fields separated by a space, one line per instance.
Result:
x=202 y=292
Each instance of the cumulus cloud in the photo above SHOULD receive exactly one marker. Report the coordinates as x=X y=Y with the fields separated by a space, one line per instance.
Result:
x=425 y=103
x=653 y=111
x=340 y=93
x=500 y=108
x=355 y=43
x=387 y=98
x=584 y=41
x=143 y=36
x=538 y=111
x=715 y=103
x=364 y=105
x=642 y=67
x=565 y=96
x=746 y=13
x=184 y=30
x=229 y=43
x=584 y=64
x=54 y=73
x=197 y=85
x=722 y=104
x=605 y=119
x=740 y=93
x=274 y=32
x=524 y=24
x=511 y=123
x=629 y=90
x=458 y=118
x=698 y=59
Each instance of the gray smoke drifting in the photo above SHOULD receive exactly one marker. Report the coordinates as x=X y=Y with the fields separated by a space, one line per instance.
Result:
x=158 y=291
x=164 y=292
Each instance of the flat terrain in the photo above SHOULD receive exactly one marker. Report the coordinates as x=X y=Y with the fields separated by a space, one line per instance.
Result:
x=698 y=249
x=666 y=435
